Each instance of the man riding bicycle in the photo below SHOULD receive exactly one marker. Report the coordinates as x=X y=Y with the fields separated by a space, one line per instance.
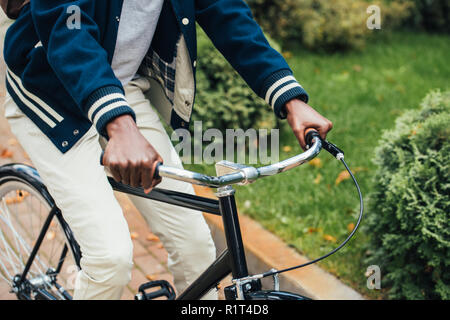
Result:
x=75 y=89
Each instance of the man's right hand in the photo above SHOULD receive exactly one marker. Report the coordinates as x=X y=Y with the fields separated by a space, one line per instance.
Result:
x=130 y=157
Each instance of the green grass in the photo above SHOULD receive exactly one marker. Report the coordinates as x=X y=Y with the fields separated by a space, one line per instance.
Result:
x=362 y=93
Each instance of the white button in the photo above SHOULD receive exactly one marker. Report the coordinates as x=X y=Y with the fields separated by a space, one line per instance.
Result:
x=117 y=19
x=195 y=63
x=185 y=21
x=76 y=132
x=65 y=144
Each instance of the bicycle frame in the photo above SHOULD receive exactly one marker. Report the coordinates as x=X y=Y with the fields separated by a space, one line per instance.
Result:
x=232 y=260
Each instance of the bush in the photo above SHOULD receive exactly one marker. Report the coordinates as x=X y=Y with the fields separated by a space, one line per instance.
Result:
x=432 y=15
x=223 y=99
x=324 y=24
x=409 y=209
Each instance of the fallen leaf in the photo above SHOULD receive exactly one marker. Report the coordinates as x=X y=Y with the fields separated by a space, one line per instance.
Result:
x=329 y=238
x=160 y=246
x=287 y=148
x=50 y=235
x=316 y=163
x=152 y=237
x=6 y=154
x=134 y=235
x=344 y=175
x=357 y=68
x=312 y=230
x=350 y=227
x=150 y=277
x=13 y=142
x=21 y=195
x=318 y=179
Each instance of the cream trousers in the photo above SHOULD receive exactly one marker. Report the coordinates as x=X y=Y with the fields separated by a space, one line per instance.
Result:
x=80 y=188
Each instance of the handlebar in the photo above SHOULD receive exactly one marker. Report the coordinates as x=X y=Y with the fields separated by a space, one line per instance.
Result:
x=241 y=174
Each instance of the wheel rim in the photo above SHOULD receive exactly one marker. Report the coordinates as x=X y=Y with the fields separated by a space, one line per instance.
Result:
x=22 y=214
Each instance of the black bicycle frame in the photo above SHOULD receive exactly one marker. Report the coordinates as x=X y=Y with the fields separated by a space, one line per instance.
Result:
x=232 y=260
x=43 y=293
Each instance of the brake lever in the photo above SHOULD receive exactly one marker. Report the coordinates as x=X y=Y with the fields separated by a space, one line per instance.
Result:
x=333 y=149
x=328 y=146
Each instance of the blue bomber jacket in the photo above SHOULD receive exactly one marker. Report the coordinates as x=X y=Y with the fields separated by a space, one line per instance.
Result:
x=61 y=76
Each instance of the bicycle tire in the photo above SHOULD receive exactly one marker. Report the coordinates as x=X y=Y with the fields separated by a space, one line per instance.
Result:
x=274 y=295
x=58 y=256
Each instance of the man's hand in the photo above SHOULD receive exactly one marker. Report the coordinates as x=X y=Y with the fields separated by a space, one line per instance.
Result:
x=301 y=116
x=130 y=157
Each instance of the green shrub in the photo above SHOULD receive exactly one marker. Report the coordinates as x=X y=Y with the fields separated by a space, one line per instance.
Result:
x=431 y=15
x=223 y=99
x=409 y=209
x=324 y=24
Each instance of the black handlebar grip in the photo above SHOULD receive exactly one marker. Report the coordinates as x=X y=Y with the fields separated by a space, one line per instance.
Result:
x=310 y=136
x=101 y=157
x=156 y=174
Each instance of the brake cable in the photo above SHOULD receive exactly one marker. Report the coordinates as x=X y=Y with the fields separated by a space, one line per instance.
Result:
x=339 y=155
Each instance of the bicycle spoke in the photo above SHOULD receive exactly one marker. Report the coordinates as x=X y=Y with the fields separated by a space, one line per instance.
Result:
x=6 y=211
x=25 y=246
x=22 y=214
x=7 y=248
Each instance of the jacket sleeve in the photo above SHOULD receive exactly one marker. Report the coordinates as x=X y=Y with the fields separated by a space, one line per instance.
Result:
x=234 y=32
x=78 y=60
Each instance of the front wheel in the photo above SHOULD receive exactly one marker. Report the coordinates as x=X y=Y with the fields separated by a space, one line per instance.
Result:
x=273 y=295
x=28 y=215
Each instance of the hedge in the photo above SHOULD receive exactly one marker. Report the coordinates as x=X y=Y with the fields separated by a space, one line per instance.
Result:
x=223 y=99
x=409 y=209
x=325 y=24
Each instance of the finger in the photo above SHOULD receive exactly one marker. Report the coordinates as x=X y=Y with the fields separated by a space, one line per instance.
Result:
x=155 y=180
x=324 y=129
x=125 y=174
x=300 y=135
x=116 y=174
x=113 y=168
x=135 y=176
x=147 y=190
x=146 y=177
x=322 y=132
